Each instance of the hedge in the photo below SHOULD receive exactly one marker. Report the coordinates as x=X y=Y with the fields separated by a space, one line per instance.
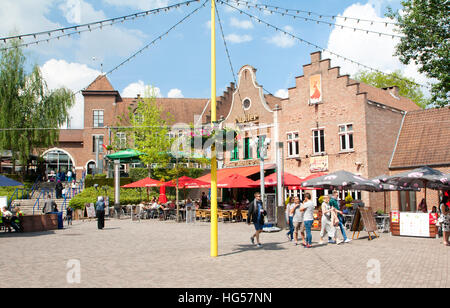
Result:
x=127 y=196
x=90 y=182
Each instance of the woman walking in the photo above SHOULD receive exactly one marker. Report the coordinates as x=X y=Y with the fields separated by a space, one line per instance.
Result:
x=100 y=211
x=256 y=215
x=444 y=219
x=327 y=225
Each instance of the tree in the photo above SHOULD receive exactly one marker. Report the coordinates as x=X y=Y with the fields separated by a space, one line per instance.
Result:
x=407 y=87
x=425 y=25
x=148 y=130
x=30 y=113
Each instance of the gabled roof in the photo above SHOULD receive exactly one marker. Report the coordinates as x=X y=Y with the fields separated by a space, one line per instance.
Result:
x=424 y=139
x=101 y=83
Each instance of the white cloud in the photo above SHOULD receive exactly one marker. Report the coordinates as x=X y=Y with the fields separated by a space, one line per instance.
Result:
x=282 y=40
x=143 y=5
x=241 y=24
x=75 y=76
x=283 y=93
x=175 y=93
x=369 y=49
x=139 y=87
x=237 y=39
x=24 y=16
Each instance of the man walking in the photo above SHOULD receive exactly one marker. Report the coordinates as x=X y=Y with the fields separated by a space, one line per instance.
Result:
x=297 y=220
x=256 y=215
x=308 y=218
x=100 y=211
x=334 y=203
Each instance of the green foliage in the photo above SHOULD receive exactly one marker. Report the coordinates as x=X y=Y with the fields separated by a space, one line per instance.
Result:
x=348 y=200
x=426 y=42
x=321 y=200
x=137 y=174
x=407 y=86
x=100 y=176
x=105 y=182
x=26 y=103
x=127 y=196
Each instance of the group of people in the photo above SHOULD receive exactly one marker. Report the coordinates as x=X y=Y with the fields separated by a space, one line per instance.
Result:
x=10 y=220
x=300 y=218
x=63 y=190
x=61 y=176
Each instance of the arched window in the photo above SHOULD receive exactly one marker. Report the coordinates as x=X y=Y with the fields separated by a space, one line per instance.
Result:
x=58 y=161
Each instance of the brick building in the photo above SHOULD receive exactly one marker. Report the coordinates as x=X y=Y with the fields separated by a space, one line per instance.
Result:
x=329 y=122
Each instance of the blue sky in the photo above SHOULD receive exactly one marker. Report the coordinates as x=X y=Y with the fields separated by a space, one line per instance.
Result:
x=179 y=64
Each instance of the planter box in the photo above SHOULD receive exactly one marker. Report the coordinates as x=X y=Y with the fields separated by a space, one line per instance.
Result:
x=39 y=223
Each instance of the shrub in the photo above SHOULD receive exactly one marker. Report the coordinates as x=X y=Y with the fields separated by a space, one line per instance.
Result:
x=137 y=174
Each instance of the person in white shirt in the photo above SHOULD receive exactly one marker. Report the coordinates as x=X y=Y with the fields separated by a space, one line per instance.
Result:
x=297 y=220
x=308 y=218
x=327 y=226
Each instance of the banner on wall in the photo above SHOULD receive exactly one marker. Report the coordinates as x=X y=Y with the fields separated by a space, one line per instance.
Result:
x=315 y=89
x=318 y=163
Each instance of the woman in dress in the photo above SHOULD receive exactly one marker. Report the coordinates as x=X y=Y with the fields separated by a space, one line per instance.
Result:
x=445 y=218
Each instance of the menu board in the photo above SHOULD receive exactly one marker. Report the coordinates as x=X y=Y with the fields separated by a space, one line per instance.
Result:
x=415 y=224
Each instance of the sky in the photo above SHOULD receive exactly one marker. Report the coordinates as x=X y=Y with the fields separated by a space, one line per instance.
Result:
x=178 y=65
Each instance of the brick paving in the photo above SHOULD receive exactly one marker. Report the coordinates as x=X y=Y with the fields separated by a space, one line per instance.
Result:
x=166 y=254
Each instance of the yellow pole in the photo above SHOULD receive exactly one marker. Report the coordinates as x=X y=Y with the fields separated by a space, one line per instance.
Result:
x=214 y=232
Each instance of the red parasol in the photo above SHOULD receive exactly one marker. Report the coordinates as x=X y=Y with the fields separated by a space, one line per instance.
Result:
x=288 y=180
x=162 y=194
x=311 y=176
x=147 y=182
x=187 y=182
x=236 y=181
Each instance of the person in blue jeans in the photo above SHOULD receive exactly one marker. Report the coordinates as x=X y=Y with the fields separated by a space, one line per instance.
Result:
x=256 y=215
x=335 y=204
x=290 y=220
x=308 y=218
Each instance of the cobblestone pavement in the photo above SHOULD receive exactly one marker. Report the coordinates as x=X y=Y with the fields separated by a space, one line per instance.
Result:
x=167 y=254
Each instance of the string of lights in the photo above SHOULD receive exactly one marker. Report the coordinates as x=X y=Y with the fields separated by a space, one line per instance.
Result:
x=78 y=29
x=319 y=47
x=309 y=13
x=134 y=55
x=229 y=57
x=367 y=31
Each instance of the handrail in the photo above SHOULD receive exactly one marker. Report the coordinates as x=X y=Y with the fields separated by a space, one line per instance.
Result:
x=43 y=191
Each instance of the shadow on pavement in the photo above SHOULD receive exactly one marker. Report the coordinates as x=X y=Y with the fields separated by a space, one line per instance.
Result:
x=25 y=234
x=251 y=247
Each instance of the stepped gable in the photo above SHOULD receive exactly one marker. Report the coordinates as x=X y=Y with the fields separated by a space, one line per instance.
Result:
x=423 y=139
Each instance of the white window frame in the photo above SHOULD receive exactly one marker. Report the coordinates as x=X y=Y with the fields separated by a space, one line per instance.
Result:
x=346 y=135
x=322 y=151
x=122 y=139
x=293 y=140
x=93 y=118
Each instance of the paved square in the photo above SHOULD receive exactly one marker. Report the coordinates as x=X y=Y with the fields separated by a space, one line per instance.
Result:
x=154 y=253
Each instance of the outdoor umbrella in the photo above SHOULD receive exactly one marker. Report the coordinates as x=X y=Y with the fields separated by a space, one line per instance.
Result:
x=4 y=181
x=342 y=180
x=384 y=187
x=288 y=180
x=187 y=182
x=309 y=177
x=236 y=181
x=147 y=182
x=126 y=156
x=162 y=194
x=422 y=177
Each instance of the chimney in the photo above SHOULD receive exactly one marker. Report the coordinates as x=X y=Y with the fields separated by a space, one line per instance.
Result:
x=394 y=90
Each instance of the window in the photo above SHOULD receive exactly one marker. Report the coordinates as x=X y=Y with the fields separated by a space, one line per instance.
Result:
x=292 y=144
x=346 y=137
x=247 y=149
x=100 y=143
x=235 y=152
x=121 y=140
x=98 y=118
x=246 y=103
x=319 y=141
x=407 y=201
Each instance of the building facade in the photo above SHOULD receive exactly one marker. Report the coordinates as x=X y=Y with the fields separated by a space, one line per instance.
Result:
x=328 y=123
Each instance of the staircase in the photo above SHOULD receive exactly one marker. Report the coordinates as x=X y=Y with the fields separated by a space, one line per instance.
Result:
x=26 y=205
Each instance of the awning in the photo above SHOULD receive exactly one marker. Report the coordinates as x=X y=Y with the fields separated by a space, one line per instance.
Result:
x=244 y=171
x=126 y=156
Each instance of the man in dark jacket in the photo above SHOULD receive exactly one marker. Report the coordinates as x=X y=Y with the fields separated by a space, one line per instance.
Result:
x=256 y=215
